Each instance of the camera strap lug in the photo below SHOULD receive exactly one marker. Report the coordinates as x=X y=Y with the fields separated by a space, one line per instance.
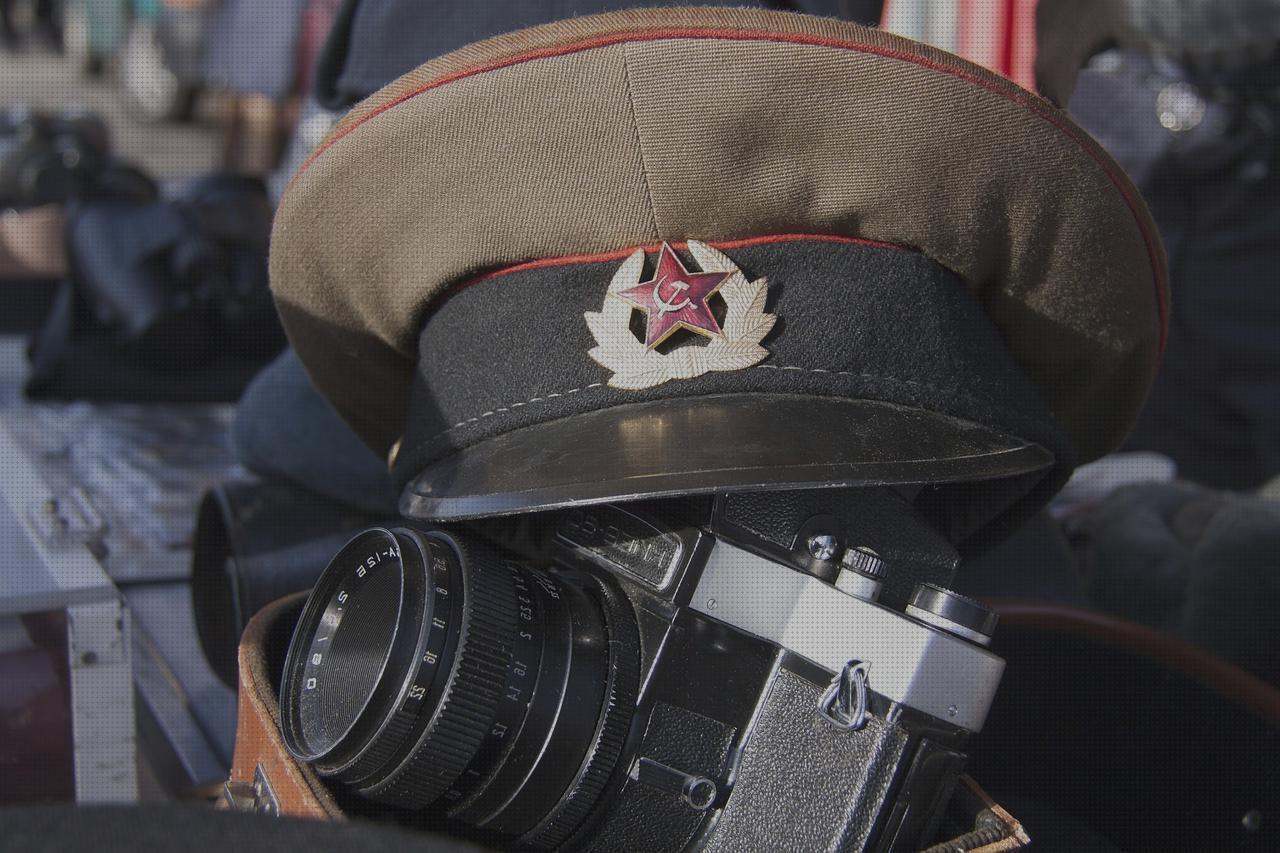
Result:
x=844 y=702
x=257 y=796
x=698 y=792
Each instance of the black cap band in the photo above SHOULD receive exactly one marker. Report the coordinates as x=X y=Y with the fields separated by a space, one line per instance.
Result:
x=856 y=323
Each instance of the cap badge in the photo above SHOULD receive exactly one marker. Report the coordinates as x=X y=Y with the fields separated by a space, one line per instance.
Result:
x=674 y=299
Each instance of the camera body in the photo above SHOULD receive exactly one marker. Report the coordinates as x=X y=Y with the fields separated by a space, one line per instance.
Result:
x=744 y=634
x=784 y=671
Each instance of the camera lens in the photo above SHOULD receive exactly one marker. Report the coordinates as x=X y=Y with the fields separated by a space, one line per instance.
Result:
x=350 y=657
x=427 y=672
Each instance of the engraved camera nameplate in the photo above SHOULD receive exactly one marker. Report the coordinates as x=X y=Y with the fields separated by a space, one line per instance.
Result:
x=616 y=539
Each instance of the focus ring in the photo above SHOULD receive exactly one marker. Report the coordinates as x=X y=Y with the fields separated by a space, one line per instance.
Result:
x=615 y=723
x=466 y=708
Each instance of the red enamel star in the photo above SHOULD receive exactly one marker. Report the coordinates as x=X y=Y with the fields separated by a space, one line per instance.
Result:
x=675 y=299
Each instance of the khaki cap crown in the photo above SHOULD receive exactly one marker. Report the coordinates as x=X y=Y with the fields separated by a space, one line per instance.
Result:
x=626 y=129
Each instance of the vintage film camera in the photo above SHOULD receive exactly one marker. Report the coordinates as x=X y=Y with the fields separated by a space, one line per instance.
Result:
x=749 y=671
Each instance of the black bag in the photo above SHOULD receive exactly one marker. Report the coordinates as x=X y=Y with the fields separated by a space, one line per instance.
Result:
x=48 y=159
x=165 y=301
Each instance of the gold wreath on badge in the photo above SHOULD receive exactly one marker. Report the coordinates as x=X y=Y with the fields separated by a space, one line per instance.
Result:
x=670 y=302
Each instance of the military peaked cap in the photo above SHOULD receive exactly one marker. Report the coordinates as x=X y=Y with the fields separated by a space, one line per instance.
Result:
x=676 y=250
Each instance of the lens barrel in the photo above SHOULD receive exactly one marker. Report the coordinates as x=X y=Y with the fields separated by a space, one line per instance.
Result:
x=428 y=672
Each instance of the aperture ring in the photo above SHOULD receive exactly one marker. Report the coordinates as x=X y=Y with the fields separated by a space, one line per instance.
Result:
x=615 y=722
x=465 y=710
x=513 y=705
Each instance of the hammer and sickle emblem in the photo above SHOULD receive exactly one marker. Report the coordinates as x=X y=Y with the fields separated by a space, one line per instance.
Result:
x=665 y=307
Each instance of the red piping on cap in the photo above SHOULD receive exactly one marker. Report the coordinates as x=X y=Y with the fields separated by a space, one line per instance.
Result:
x=1023 y=99
x=616 y=254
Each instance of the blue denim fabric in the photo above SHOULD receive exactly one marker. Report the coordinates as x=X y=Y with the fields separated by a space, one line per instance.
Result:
x=374 y=41
x=285 y=429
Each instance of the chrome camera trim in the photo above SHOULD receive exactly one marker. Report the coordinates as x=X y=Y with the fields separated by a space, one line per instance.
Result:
x=911 y=663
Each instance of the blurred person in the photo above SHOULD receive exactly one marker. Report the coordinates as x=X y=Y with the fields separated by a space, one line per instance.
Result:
x=251 y=53
x=31 y=244
x=94 y=31
x=46 y=20
x=1185 y=94
x=9 y=37
x=375 y=41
